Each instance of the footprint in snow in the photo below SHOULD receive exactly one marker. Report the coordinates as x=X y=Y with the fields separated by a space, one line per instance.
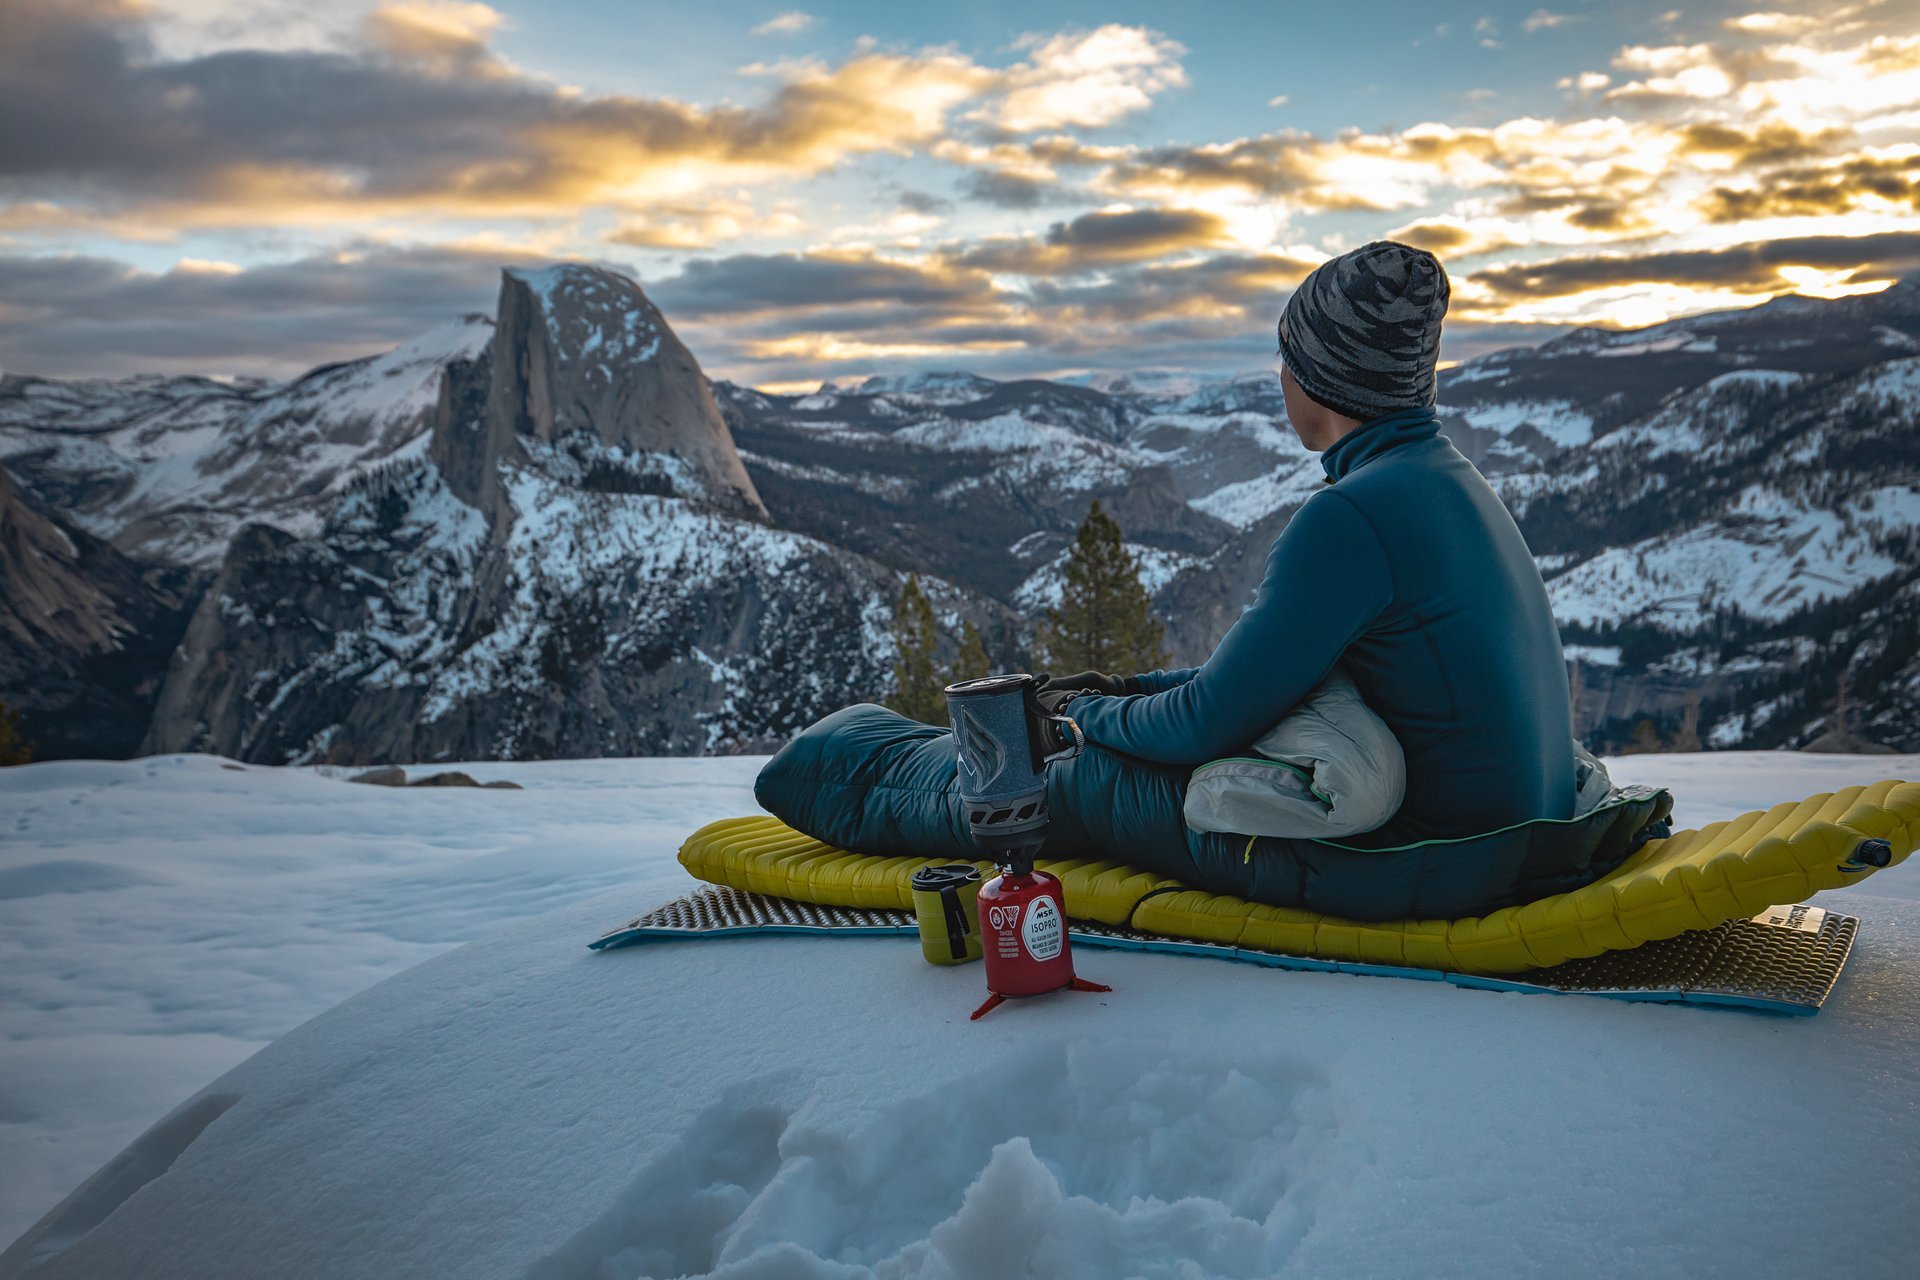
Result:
x=1089 y=1158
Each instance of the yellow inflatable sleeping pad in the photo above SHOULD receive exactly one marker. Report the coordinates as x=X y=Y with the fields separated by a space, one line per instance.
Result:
x=1690 y=880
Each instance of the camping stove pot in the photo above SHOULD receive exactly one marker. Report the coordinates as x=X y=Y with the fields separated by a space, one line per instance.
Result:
x=1003 y=781
x=1003 y=788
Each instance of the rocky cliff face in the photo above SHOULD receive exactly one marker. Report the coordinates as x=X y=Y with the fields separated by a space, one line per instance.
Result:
x=581 y=357
x=579 y=566
x=586 y=623
x=83 y=632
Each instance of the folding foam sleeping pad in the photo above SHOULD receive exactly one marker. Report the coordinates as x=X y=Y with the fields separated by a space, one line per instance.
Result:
x=1691 y=880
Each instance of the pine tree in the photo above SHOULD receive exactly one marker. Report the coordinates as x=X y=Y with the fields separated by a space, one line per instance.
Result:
x=13 y=748
x=1687 y=736
x=972 y=662
x=1102 y=622
x=1646 y=739
x=1576 y=695
x=916 y=677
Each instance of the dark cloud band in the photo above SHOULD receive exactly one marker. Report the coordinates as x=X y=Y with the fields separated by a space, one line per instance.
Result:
x=1752 y=266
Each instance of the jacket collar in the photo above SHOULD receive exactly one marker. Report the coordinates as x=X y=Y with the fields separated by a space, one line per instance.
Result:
x=1375 y=436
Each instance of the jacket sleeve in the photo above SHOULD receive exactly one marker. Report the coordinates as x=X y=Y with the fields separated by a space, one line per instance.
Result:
x=1327 y=580
x=1160 y=681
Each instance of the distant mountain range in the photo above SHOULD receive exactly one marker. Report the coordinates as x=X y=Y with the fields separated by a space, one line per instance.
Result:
x=548 y=535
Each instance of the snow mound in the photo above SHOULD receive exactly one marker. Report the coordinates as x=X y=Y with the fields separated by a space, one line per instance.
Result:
x=69 y=875
x=809 y=1108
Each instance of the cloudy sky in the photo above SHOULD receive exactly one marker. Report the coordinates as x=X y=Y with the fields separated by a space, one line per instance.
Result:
x=258 y=186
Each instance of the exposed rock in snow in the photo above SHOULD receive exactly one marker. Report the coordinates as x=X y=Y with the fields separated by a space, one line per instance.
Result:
x=930 y=388
x=81 y=630
x=580 y=351
x=944 y=484
x=1771 y=559
x=603 y=623
x=1559 y=421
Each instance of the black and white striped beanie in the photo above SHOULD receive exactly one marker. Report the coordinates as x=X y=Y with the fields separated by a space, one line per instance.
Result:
x=1362 y=332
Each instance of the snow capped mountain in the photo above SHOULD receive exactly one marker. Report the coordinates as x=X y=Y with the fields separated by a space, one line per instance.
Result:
x=591 y=623
x=582 y=357
x=1230 y=451
x=1728 y=504
x=1043 y=589
x=574 y=564
x=929 y=388
x=979 y=482
x=168 y=469
x=446 y=537
x=1767 y=557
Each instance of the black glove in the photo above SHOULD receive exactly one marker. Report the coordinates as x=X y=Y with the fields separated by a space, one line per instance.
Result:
x=1051 y=735
x=1052 y=700
x=1088 y=682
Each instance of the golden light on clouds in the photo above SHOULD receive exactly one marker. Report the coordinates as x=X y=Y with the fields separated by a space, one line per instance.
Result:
x=791 y=23
x=1628 y=306
x=1775 y=24
x=1821 y=283
x=896 y=203
x=1678 y=71
x=446 y=33
x=1087 y=80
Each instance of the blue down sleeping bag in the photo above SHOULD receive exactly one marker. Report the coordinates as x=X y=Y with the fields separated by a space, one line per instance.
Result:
x=869 y=780
x=1408 y=572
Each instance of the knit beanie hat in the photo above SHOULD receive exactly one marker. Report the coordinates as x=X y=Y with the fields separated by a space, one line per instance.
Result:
x=1362 y=332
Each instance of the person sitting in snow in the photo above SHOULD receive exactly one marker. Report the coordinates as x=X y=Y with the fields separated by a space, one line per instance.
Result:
x=1405 y=569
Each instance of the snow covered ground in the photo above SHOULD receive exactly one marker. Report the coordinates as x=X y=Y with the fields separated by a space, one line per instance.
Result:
x=814 y=1108
x=162 y=919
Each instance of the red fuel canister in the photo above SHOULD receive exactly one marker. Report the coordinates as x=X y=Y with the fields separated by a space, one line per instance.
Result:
x=1023 y=936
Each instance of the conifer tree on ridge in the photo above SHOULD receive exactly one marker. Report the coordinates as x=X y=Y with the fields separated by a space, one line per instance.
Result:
x=972 y=662
x=1103 y=621
x=917 y=679
x=13 y=748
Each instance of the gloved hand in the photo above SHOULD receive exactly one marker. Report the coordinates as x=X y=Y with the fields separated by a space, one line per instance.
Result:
x=1053 y=736
x=1088 y=682
x=1052 y=700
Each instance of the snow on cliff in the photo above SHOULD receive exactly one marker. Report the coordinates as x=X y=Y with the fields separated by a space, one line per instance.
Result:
x=168 y=468
x=1773 y=556
x=822 y=1107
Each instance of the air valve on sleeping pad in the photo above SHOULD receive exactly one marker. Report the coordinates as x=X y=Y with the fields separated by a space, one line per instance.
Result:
x=1003 y=788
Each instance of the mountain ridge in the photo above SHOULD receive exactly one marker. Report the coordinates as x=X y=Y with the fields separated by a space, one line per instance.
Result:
x=1702 y=447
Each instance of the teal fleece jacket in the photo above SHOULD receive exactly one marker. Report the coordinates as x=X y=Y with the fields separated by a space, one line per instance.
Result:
x=1408 y=569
